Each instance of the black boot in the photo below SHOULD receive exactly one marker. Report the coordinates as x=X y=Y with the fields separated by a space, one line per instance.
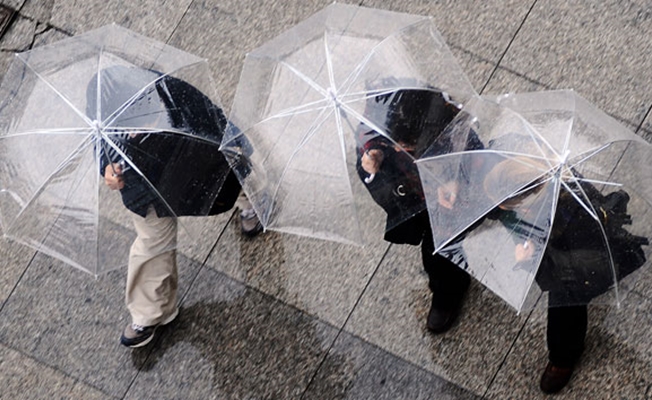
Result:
x=555 y=378
x=448 y=284
x=445 y=308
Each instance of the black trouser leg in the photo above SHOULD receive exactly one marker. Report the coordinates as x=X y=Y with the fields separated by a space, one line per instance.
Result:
x=565 y=334
x=447 y=281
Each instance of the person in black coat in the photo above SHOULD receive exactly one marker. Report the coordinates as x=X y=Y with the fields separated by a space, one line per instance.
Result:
x=576 y=265
x=162 y=173
x=412 y=119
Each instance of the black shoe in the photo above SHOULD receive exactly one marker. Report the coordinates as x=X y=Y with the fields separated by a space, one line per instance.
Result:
x=136 y=335
x=442 y=317
x=249 y=223
x=555 y=378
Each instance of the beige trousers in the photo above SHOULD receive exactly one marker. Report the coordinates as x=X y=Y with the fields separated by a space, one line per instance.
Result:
x=152 y=278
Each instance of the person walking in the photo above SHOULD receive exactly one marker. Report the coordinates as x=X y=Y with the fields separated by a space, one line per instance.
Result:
x=164 y=178
x=412 y=120
x=575 y=266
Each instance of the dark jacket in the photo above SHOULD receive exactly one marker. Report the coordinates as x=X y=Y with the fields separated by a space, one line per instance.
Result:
x=178 y=174
x=576 y=264
x=416 y=118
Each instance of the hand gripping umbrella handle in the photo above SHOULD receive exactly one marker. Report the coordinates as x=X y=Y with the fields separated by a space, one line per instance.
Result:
x=369 y=179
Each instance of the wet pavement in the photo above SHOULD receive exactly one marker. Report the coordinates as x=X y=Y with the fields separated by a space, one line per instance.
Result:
x=284 y=317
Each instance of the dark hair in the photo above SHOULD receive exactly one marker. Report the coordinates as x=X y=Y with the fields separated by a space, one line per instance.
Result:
x=412 y=112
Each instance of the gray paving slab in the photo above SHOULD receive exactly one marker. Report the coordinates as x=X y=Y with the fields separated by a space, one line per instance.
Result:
x=321 y=278
x=372 y=373
x=616 y=363
x=154 y=18
x=198 y=235
x=477 y=32
x=392 y=315
x=24 y=378
x=15 y=260
x=233 y=342
x=22 y=34
x=506 y=81
x=482 y=28
x=478 y=70
x=6 y=17
x=598 y=49
x=224 y=31
x=72 y=322
x=39 y=10
x=17 y=38
x=15 y=4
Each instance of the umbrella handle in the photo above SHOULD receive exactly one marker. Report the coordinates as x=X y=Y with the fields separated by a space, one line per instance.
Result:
x=124 y=166
x=369 y=179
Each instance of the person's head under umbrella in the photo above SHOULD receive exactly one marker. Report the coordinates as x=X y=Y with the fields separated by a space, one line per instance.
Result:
x=581 y=232
x=160 y=140
x=412 y=117
x=402 y=120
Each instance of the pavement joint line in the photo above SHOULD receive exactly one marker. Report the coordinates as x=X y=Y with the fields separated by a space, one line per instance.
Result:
x=509 y=350
x=502 y=56
x=20 y=278
x=639 y=129
x=55 y=368
x=7 y=15
x=341 y=329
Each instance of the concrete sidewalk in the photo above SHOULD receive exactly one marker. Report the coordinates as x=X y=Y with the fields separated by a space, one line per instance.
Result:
x=283 y=317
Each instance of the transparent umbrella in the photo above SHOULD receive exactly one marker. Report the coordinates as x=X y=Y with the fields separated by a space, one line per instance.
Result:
x=558 y=200
x=107 y=99
x=310 y=99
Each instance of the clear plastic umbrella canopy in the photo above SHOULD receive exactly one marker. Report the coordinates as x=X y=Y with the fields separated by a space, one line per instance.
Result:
x=76 y=107
x=300 y=105
x=557 y=200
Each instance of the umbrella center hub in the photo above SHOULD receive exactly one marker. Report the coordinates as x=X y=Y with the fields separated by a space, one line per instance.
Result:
x=96 y=127
x=564 y=157
x=562 y=164
x=332 y=95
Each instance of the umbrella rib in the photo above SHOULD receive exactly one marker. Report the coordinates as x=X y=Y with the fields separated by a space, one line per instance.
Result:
x=116 y=114
x=59 y=168
x=373 y=126
x=532 y=277
x=353 y=76
x=118 y=150
x=587 y=156
x=329 y=67
x=357 y=70
x=139 y=130
x=599 y=182
x=570 y=130
x=65 y=100
x=302 y=143
x=551 y=213
x=593 y=213
x=588 y=208
x=340 y=132
x=525 y=187
x=492 y=151
x=298 y=110
x=591 y=153
x=534 y=134
x=56 y=131
x=305 y=78
x=111 y=118
x=98 y=87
